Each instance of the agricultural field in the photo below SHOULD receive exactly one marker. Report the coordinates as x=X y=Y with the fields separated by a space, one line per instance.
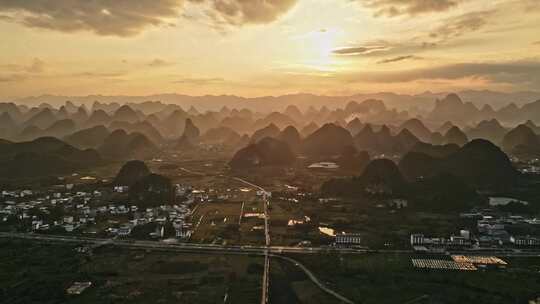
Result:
x=38 y=273
x=288 y=285
x=391 y=278
x=379 y=225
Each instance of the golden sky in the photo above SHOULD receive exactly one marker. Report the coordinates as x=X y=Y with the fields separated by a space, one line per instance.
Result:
x=267 y=47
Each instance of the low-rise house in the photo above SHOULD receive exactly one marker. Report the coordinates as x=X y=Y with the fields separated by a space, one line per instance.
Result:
x=348 y=239
x=525 y=241
x=70 y=227
x=78 y=287
x=124 y=230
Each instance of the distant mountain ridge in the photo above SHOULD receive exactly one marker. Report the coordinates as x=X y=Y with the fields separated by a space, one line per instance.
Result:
x=300 y=100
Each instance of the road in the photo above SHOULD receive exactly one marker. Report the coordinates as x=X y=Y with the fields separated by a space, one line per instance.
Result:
x=266 y=272
x=242 y=249
x=314 y=279
x=186 y=247
x=192 y=172
x=266 y=251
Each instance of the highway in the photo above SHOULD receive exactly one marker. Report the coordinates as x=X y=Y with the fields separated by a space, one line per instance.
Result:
x=266 y=251
x=266 y=272
x=187 y=247
x=245 y=249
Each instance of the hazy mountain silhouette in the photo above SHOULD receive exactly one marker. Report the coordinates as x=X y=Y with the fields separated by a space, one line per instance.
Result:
x=121 y=145
x=88 y=138
x=382 y=173
x=479 y=163
x=60 y=128
x=436 y=138
x=533 y=127
x=383 y=141
x=142 y=127
x=522 y=142
x=353 y=160
x=221 y=135
x=125 y=113
x=291 y=136
x=29 y=133
x=435 y=151
x=98 y=117
x=191 y=132
x=327 y=141
x=491 y=130
x=455 y=136
x=416 y=127
x=131 y=172
x=355 y=126
x=151 y=191
x=80 y=116
x=266 y=152
x=43 y=157
x=42 y=119
x=309 y=129
x=275 y=118
x=270 y=130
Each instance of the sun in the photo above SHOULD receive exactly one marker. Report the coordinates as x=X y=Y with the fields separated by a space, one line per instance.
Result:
x=319 y=46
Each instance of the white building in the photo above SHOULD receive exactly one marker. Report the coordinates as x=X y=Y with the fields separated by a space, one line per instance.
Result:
x=348 y=239
x=525 y=241
x=417 y=239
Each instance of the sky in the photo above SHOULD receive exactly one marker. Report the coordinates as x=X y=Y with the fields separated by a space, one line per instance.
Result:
x=267 y=47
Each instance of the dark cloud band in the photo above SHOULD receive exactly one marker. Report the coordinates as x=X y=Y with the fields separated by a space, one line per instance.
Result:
x=392 y=8
x=519 y=73
x=128 y=18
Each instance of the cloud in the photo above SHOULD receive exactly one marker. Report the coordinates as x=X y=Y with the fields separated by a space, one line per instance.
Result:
x=385 y=48
x=127 y=18
x=399 y=58
x=199 y=81
x=37 y=66
x=392 y=8
x=441 y=36
x=519 y=73
x=241 y=12
x=359 y=50
x=462 y=24
x=21 y=72
x=98 y=74
x=156 y=63
x=12 y=78
x=103 y=17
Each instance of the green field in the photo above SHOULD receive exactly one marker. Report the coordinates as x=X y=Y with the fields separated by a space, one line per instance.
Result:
x=38 y=273
x=383 y=278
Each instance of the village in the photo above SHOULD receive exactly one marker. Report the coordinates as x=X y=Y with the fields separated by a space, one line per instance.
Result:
x=495 y=229
x=235 y=216
x=64 y=210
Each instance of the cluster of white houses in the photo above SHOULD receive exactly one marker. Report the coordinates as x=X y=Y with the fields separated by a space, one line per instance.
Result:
x=422 y=243
x=525 y=241
x=348 y=239
x=84 y=211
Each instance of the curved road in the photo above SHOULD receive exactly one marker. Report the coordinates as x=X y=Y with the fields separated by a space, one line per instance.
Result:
x=314 y=279
x=184 y=247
